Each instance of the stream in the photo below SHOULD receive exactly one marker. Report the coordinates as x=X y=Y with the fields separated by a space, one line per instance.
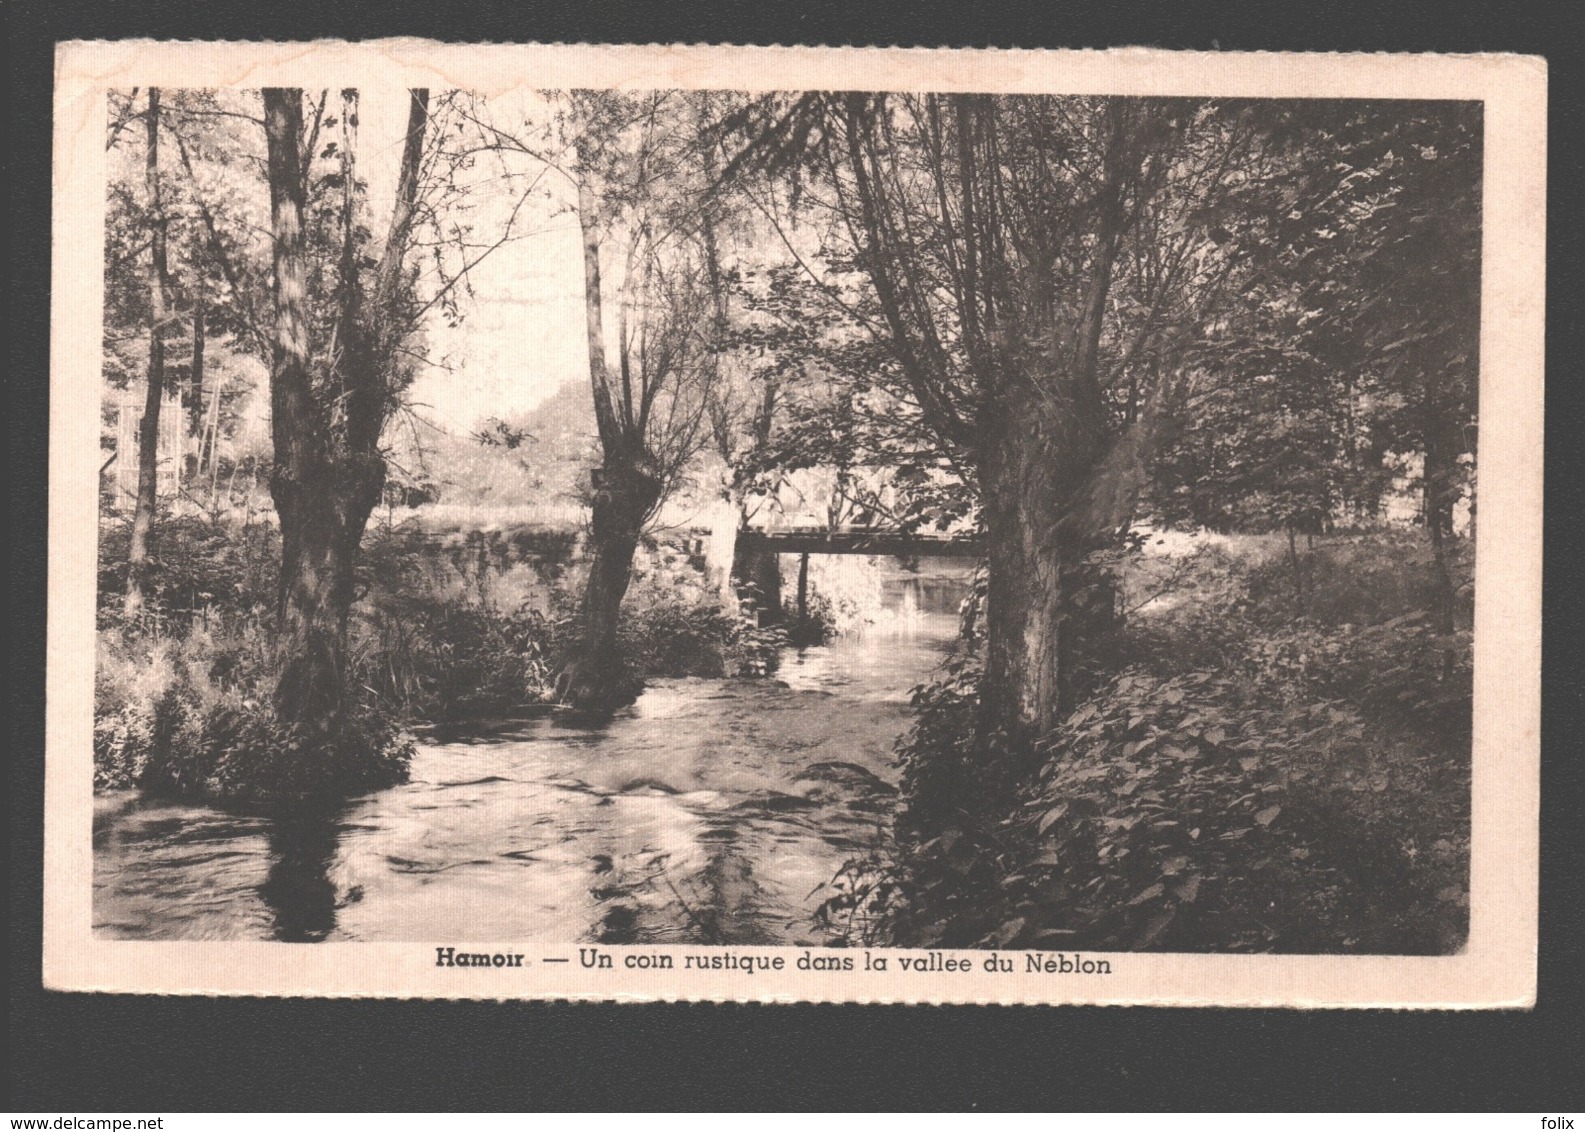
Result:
x=709 y=811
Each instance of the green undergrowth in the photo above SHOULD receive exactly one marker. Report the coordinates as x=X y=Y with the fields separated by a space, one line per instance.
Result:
x=466 y=627
x=675 y=625
x=1274 y=768
x=189 y=716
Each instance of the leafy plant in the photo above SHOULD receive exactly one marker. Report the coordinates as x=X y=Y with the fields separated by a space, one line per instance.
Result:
x=1247 y=784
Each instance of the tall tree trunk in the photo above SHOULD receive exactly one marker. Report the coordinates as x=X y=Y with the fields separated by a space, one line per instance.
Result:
x=625 y=493
x=324 y=482
x=1037 y=431
x=1057 y=485
x=1056 y=491
x=740 y=570
x=195 y=386
x=323 y=511
x=315 y=588
x=627 y=486
x=1047 y=608
x=149 y=428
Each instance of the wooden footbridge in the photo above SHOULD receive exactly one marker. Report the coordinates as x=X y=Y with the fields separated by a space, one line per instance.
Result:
x=734 y=556
x=859 y=540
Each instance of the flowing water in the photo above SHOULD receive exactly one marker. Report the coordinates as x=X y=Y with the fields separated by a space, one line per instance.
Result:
x=711 y=811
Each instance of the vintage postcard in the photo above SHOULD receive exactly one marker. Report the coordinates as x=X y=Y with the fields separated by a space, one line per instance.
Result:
x=795 y=525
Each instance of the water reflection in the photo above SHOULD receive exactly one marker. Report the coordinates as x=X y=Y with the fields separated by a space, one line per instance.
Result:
x=298 y=889
x=709 y=811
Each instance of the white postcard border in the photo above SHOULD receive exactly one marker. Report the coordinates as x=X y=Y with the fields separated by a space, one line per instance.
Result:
x=1497 y=968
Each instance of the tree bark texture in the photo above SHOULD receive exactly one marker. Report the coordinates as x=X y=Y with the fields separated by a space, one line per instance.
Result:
x=626 y=488
x=1054 y=488
x=624 y=496
x=195 y=390
x=327 y=475
x=149 y=427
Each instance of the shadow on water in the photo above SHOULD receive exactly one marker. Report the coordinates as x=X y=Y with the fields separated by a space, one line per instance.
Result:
x=298 y=889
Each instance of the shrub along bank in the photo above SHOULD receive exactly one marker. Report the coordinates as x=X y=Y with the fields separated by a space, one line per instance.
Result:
x=1276 y=767
x=469 y=627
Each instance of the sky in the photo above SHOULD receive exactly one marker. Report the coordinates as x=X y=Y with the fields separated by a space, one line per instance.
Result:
x=522 y=334
x=521 y=338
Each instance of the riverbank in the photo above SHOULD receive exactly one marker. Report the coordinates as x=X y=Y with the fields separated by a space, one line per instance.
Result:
x=1279 y=761
x=712 y=810
x=464 y=627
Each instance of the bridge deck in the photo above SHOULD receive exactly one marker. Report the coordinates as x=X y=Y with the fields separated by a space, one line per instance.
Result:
x=815 y=540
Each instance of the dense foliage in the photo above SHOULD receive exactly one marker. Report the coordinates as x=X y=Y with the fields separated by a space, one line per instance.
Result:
x=454 y=628
x=1252 y=780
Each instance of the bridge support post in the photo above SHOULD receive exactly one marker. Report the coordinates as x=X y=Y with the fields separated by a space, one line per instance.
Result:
x=803 y=590
x=760 y=571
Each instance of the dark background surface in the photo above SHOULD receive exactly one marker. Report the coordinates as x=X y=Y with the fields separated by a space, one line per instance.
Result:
x=82 y=1053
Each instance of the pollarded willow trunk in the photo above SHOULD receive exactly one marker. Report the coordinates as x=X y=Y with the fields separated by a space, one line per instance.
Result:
x=327 y=474
x=1052 y=498
x=627 y=486
x=1058 y=494
x=625 y=493
x=1033 y=416
x=1048 y=608
x=1060 y=484
x=314 y=508
x=323 y=511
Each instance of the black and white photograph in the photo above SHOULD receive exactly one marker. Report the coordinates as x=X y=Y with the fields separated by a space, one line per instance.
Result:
x=690 y=535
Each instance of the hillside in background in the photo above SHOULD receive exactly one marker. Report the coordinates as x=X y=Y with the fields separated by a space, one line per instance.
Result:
x=555 y=445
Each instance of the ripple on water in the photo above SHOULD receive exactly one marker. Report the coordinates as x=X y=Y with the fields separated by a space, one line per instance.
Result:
x=709 y=811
